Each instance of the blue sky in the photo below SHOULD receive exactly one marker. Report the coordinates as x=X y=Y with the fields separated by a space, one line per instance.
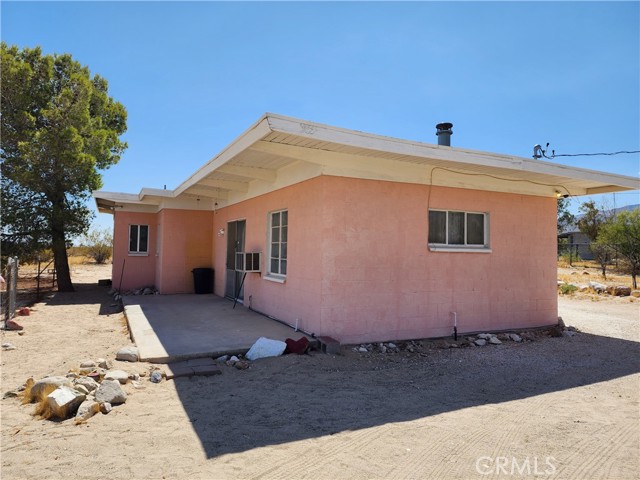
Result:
x=194 y=75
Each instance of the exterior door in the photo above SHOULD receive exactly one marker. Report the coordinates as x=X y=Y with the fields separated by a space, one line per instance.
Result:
x=235 y=243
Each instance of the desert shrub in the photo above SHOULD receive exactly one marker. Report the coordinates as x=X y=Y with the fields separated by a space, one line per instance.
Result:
x=98 y=244
x=567 y=289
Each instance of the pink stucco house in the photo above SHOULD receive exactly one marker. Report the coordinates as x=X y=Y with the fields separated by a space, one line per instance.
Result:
x=361 y=237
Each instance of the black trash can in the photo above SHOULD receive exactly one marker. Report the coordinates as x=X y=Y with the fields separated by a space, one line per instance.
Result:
x=203 y=280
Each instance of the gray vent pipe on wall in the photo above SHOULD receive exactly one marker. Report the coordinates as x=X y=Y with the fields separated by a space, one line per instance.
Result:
x=444 y=132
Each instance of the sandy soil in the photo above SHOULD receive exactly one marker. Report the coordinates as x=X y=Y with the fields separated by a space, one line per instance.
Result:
x=553 y=408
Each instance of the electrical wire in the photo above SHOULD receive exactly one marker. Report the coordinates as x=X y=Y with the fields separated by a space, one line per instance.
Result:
x=554 y=154
x=490 y=176
x=486 y=175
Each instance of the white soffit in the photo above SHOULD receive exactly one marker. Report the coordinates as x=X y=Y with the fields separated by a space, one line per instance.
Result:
x=251 y=164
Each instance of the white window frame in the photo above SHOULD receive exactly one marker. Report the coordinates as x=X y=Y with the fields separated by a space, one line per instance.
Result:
x=137 y=252
x=446 y=247
x=271 y=275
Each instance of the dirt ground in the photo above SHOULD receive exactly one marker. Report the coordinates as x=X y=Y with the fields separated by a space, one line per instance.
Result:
x=553 y=408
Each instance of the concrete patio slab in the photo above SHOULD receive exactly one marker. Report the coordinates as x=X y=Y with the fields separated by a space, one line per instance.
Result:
x=168 y=328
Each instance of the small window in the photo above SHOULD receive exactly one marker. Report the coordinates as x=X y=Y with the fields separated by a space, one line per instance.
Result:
x=278 y=226
x=139 y=239
x=462 y=230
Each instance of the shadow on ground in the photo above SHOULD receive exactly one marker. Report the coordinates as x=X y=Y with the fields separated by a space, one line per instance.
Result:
x=84 y=294
x=290 y=398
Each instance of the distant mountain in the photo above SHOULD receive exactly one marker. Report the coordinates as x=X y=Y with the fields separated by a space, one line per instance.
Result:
x=573 y=227
x=626 y=208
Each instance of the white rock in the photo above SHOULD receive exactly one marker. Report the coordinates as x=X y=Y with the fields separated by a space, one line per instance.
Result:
x=494 y=341
x=383 y=349
x=598 y=287
x=87 y=364
x=86 y=410
x=119 y=375
x=480 y=342
x=106 y=407
x=485 y=336
x=82 y=389
x=222 y=358
x=128 y=354
x=265 y=347
x=391 y=345
x=111 y=392
x=515 y=337
x=362 y=349
x=64 y=401
x=8 y=346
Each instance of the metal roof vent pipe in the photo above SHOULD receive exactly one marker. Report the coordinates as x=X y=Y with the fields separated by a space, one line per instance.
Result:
x=444 y=132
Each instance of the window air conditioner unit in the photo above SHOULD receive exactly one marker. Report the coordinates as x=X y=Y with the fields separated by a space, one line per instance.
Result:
x=248 y=261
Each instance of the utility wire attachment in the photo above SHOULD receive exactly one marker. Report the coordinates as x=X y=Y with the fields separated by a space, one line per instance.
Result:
x=539 y=152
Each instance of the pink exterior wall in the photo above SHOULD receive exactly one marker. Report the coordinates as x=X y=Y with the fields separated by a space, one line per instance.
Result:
x=298 y=298
x=381 y=281
x=359 y=268
x=179 y=241
x=139 y=270
x=185 y=242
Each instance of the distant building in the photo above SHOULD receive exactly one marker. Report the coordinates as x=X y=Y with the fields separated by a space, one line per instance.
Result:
x=578 y=242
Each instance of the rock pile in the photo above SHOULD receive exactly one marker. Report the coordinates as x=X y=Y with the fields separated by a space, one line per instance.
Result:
x=149 y=290
x=385 y=347
x=477 y=340
x=600 y=289
x=92 y=387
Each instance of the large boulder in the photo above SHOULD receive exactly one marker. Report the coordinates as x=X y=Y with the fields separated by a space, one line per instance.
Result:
x=110 y=392
x=619 y=291
x=46 y=384
x=63 y=402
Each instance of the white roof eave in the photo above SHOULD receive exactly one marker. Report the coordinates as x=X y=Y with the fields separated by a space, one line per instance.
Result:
x=590 y=181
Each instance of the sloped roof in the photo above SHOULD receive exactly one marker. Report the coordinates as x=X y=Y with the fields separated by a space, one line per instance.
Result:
x=278 y=151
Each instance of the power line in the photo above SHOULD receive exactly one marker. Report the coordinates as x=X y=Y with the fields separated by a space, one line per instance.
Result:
x=539 y=152
x=553 y=153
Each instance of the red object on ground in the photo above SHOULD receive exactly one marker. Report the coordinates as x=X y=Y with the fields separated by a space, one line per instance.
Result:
x=297 y=346
x=11 y=325
x=24 y=311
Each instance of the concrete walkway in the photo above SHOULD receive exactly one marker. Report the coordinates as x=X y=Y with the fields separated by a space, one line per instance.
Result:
x=167 y=328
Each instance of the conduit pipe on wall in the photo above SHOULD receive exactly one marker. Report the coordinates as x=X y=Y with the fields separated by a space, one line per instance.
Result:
x=295 y=328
